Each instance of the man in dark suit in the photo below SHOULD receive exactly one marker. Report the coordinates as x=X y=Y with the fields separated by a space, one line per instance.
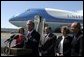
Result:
x=33 y=38
x=63 y=43
x=77 y=43
x=47 y=48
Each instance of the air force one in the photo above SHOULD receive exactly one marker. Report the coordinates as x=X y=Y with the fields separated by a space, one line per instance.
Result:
x=53 y=17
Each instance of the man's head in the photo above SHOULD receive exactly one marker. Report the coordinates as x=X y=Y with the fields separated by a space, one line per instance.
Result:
x=75 y=27
x=30 y=25
x=64 y=30
x=48 y=30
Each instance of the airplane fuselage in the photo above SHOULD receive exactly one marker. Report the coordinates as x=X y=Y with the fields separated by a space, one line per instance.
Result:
x=53 y=17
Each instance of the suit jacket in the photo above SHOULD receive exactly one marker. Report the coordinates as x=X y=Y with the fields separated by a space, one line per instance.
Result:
x=33 y=42
x=77 y=45
x=66 y=45
x=48 y=47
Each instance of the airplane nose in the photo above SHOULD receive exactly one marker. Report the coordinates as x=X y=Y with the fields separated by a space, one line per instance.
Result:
x=20 y=18
x=11 y=20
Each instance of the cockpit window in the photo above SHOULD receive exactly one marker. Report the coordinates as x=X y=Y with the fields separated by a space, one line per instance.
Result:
x=28 y=10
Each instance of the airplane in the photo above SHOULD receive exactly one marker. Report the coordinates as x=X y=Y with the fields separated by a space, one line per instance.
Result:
x=55 y=18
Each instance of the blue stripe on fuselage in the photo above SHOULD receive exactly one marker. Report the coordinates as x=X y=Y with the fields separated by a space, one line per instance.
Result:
x=30 y=15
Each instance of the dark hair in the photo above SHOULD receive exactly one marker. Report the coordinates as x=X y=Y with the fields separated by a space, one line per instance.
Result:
x=66 y=28
x=21 y=29
x=48 y=27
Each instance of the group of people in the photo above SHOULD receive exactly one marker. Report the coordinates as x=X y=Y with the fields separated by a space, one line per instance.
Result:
x=51 y=45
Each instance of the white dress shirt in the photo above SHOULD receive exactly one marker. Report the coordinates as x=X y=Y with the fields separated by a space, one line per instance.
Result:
x=61 y=45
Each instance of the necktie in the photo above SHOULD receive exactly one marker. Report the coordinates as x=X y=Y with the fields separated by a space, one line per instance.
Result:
x=29 y=35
